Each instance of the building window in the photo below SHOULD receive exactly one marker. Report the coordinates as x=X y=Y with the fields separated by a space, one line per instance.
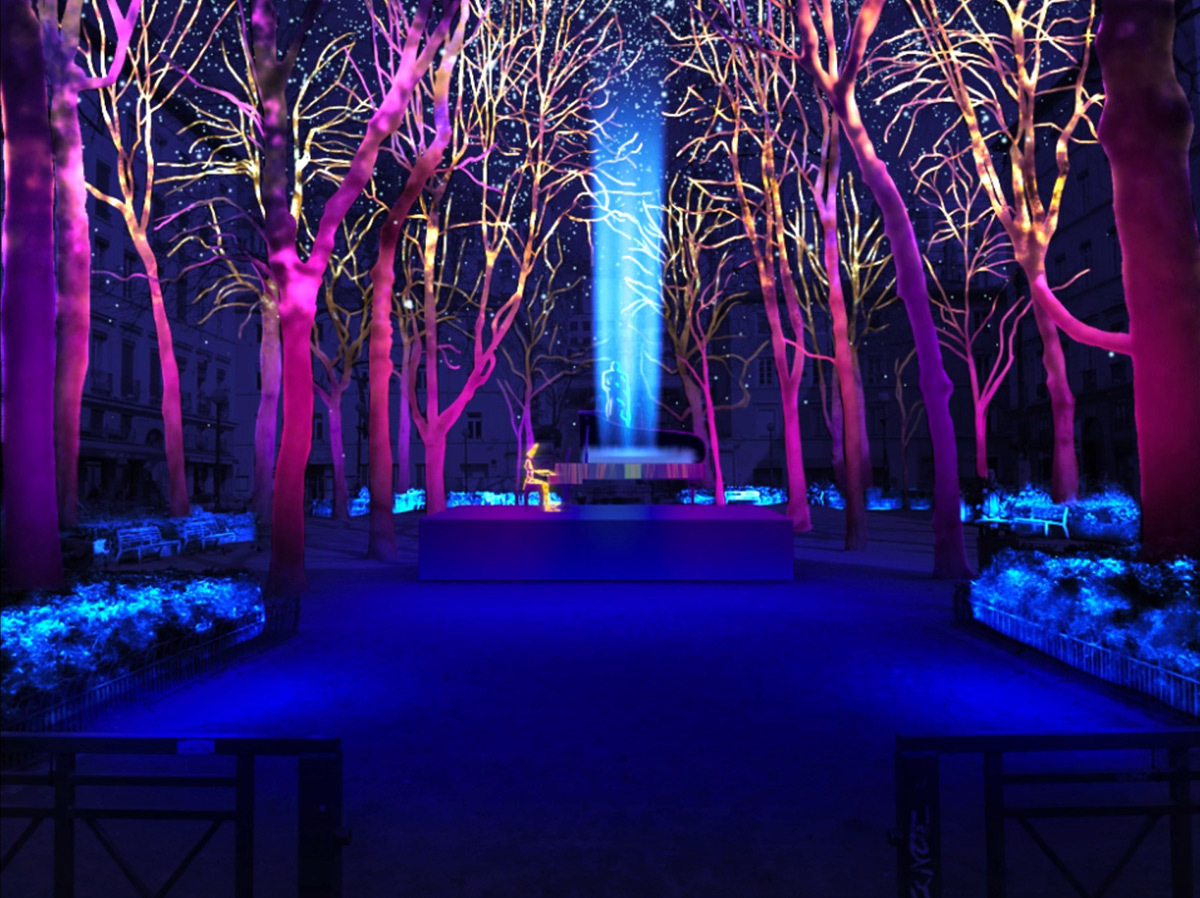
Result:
x=155 y=375
x=1122 y=412
x=201 y=375
x=1086 y=257
x=181 y=300
x=1085 y=190
x=1117 y=372
x=766 y=372
x=318 y=427
x=127 y=268
x=1060 y=268
x=1089 y=378
x=104 y=185
x=127 y=350
x=474 y=425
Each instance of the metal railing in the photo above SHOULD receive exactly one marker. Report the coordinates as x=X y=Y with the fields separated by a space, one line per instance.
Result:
x=918 y=833
x=319 y=784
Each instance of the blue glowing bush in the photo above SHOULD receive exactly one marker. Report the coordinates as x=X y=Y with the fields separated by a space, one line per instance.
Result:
x=1111 y=515
x=748 y=495
x=55 y=646
x=1147 y=611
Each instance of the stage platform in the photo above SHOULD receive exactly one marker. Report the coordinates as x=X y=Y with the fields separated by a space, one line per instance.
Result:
x=605 y=542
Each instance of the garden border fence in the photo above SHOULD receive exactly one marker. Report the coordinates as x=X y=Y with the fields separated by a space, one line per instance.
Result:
x=319 y=785
x=917 y=836
x=76 y=712
x=1167 y=686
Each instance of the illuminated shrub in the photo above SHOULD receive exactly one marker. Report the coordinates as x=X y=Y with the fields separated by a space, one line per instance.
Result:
x=55 y=646
x=746 y=495
x=1149 y=611
x=1111 y=515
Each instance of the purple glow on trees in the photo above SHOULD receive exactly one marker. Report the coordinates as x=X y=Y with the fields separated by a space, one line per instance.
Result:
x=27 y=306
x=60 y=47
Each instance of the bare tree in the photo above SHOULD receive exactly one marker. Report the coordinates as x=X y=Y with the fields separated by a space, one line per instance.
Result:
x=791 y=34
x=980 y=330
x=61 y=26
x=1014 y=80
x=163 y=52
x=910 y=420
x=535 y=357
x=533 y=80
x=695 y=238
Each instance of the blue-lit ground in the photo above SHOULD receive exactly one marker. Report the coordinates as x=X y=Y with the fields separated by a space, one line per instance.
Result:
x=614 y=740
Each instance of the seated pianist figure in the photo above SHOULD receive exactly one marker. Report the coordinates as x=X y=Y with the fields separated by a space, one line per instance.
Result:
x=540 y=477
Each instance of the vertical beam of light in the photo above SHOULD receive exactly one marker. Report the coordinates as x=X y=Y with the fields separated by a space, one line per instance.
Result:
x=626 y=279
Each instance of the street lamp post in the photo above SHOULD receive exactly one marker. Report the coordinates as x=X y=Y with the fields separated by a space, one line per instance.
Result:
x=771 y=452
x=220 y=396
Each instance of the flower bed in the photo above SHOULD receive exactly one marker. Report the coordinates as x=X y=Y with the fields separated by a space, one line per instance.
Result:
x=57 y=648
x=1134 y=623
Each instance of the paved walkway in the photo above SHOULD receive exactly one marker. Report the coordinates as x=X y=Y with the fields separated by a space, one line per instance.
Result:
x=625 y=740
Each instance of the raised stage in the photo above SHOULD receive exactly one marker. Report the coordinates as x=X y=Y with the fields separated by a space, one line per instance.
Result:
x=605 y=542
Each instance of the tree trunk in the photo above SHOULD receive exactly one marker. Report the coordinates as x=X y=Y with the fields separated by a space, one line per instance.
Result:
x=381 y=536
x=74 y=295
x=32 y=550
x=337 y=455
x=949 y=549
x=713 y=440
x=435 y=470
x=1145 y=130
x=404 y=438
x=793 y=451
x=981 y=462
x=266 y=423
x=172 y=413
x=696 y=405
x=297 y=311
x=1064 y=472
x=864 y=450
x=837 y=436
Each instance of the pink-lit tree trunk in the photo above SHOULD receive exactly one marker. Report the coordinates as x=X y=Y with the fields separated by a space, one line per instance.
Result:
x=266 y=421
x=299 y=280
x=60 y=44
x=1064 y=470
x=404 y=437
x=332 y=400
x=74 y=294
x=32 y=550
x=1145 y=130
x=838 y=85
x=713 y=440
x=381 y=540
x=825 y=196
x=172 y=412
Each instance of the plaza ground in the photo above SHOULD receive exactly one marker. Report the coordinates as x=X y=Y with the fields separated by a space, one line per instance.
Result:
x=615 y=739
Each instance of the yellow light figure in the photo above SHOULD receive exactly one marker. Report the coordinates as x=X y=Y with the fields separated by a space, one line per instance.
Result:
x=541 y=477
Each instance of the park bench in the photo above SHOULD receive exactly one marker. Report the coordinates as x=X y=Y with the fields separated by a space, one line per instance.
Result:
x=1042 y=516
x=143 y=539
x=205 y=531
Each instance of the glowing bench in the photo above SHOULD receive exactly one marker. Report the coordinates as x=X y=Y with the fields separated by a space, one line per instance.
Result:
x=605 y=542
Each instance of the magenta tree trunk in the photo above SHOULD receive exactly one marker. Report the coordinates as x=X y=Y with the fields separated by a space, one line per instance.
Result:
x=74 y=294
x=27 y=308
x=299 y=280
x=266 y=421
x=1145 y=130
